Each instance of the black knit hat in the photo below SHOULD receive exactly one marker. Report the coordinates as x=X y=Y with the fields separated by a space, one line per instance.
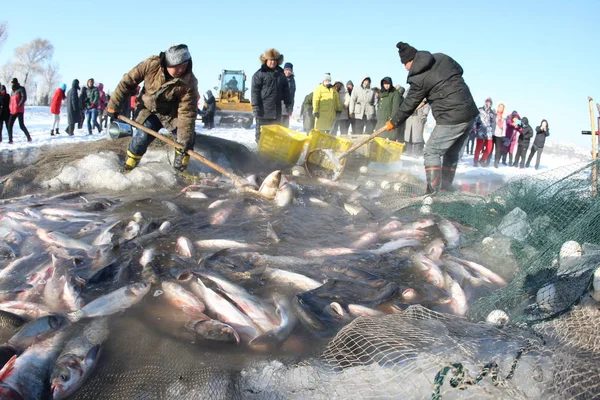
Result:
x=406 y=51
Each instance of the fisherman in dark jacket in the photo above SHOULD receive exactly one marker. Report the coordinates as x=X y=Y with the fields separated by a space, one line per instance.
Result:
x=541 y=133
x=74 y=110
x=523 y=143
x=4 y=109
x=288 y=70
x=208 y=112
x=269 y=89
x=438 y=78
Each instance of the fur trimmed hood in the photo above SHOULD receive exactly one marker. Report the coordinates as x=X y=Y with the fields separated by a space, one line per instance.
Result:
x=271 y=54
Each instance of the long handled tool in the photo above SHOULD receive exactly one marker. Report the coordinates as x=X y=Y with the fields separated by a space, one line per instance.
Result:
x=239 y=182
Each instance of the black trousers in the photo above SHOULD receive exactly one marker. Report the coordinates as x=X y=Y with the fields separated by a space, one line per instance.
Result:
x=11 y=123
x=2 y=123
x=521 y=154
x=498 y=149
x=538 y=151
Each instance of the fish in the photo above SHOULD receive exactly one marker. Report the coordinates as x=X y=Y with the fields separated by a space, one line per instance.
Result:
x=434 y=249
x=222 y=214
x=217 y=203
x=25 y=309
x=287 y=322
x=325 y=252
x=395 y=245
x=480 y=269
x=111 y=303
x=181 y=298
x=13 y=238
x=269 y=260
x=105 y=236
x=291 y=280
x=66 y=213
x=71 y=297
x=365 y=240
x=185 y=247
x=450 y=233
x=26 y=376
x=220 y=244
x=36 y=330
x=9 y=323
x=131 y=231
x=211 y=329
x=458 y=304
x=356 y=310
x=224 y=311
x=284 y=196
x=54 y=287
x=250 y=305
x=404 y=234
x=33 y=213
x=91 y=227
x=15 y=267
x=164 y=228
x=430 y=271
x=193 y=194
x=174 y=208
x=62 y=240
x=271 y=183
x=149 y=273
x=253 y=181
x=78 y=358
x=271 y=234
x=38 y=281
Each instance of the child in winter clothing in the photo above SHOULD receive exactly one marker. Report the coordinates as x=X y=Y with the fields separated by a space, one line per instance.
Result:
x=57 y=99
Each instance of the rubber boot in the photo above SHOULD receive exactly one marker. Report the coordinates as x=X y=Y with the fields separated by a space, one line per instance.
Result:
x=447 y=179
x=57 y=132
x=131 y=162
x=51 y=132
x=181 y=160
x=434 y=179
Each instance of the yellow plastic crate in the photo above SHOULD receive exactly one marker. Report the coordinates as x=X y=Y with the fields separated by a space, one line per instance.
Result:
x=321 y=140
x=280 y=143
x=385 y=151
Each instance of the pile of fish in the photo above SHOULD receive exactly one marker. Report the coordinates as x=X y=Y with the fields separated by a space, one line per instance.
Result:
x=69 y=264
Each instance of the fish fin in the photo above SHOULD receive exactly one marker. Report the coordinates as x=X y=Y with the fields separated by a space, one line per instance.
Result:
x=8 y=368
x=92 y=354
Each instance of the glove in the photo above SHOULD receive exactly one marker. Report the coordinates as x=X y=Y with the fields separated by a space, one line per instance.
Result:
x=181 y=159
x=256 y=112
x=112 y=113
x=389 y=126
x=316 y=115
x=93 y=105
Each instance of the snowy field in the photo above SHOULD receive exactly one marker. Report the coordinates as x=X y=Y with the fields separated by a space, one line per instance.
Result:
x=39 y=122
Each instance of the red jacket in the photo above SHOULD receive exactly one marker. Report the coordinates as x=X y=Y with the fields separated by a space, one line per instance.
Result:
x=17 y=105
x=57 y=98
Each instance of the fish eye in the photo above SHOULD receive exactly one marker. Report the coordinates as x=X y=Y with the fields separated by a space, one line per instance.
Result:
x=64 y=377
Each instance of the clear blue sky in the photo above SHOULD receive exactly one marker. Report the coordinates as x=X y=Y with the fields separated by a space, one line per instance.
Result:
x=540 y=57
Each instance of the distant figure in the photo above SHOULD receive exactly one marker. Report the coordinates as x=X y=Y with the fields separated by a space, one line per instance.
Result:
x=362 y=108
x=523 y=143
x=73 y=108
x=389 y=102
x=209 y=111
x=349 y=90
x=414 y=129
x=513 y=128
x=342 y=123
x=269 y=89
x=102 y=102
x=499 y=133
x=57 y=99
x=233 y=85
x=18 y=98
x=286 y=112
x=326 y=105
x=91 y=107
x=4 y=109
x=484 y=133
x=82 y=101
x=541 y=133
x=308 y=119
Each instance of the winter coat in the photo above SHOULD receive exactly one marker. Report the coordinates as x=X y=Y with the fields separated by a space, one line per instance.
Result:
x=307 y=113
x=362 y=102
x=4 y=106
x=389 y=102
x=73 y=104
x=540 y=137
x=174 y=101
x=292 y=88
x=485 y=123
x=345 y=102
x=499 y=127
x=57 y=99
x=326 y=103
x=270 y=89
x=415 y=125
x=83 y=99
x=527 y=134
x=18 y=98
x=91 y=99
x=101 y=98
x=438 y=78
x=511 y=133
x=211 y=105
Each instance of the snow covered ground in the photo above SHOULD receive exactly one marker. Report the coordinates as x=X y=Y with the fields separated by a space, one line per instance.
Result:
x=39 y=122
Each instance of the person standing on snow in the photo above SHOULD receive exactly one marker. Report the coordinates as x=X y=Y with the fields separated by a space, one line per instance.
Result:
x=499 y=133
x=18 y=98
x=362 y=108
x=57 y=99
x=438 y=78
x=389 y=102
x=169 y=100
x=414 y=129
x=541 y=133
x=513 y=128
x=4 y=109
x=484 y=133
x=349 y=90
x=270 y=90
x=209 y=110
x=342 y=122
x=326 y=105
x=288 y=71
x=523 y=143
x=73 y=108
x=91 y=106
x=102 y=102
x=308 y=119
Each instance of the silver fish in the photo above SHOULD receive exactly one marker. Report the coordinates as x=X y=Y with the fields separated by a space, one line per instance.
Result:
x=480 y=269
x=271 y=183
x=450 y=233
x=185 y=247
x=429 y=269
x=220 y=244
x=66 y=213
x=181 y=299
x=325 y=252
x=284 y=196
x=271 y=234
x=25 y=309
x=297 y=282
x=60 y=239
x=365 y=240
x=395 y=245
x=192 y=194
x=280 y=333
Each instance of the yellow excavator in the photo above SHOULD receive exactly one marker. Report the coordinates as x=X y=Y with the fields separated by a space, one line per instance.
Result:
x=233 y=108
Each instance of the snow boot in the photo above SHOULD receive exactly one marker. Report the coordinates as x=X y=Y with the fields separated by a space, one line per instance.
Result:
x=434 y=179
x=57 y=132
x=51 y=132
x=447 y=179
x=130 y=162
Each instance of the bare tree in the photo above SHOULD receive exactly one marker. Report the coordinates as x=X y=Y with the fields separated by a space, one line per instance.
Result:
x=3 y=32
x=31 y=57
x=50 y=77
x=7 y=72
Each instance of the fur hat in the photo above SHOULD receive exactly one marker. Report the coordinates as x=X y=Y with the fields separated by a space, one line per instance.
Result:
x=271 y=54
x=177 y=54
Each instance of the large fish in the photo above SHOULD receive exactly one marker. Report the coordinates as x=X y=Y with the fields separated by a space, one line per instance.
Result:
x=114 y=302
x=271 y=183
x=181 y=298
x=54 y=287
x=26 y=377
x=430 y=271
x=333 y=251
x=66 y=213
x=9 y=323
x=284 y=195
x=224 y=311
x=78 y=358
x=483 y=271
x=62 y=240
x=291 y=280
x=185 y=247
x=396 y=245
x=222 y=214
x=71 y=297
x=221 y=244
x=36 y=330
x=279 y=334
x=450 y=233
x=458 y=304
x=25 y=309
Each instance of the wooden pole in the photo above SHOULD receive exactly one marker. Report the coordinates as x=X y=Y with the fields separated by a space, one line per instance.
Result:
x=241 y=183
x=594 y=148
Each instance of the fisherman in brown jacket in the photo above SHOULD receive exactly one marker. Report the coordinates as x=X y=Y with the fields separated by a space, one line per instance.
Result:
x=169 y=100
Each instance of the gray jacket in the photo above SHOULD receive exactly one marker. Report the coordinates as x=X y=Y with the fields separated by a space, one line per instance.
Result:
x=362 y=102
